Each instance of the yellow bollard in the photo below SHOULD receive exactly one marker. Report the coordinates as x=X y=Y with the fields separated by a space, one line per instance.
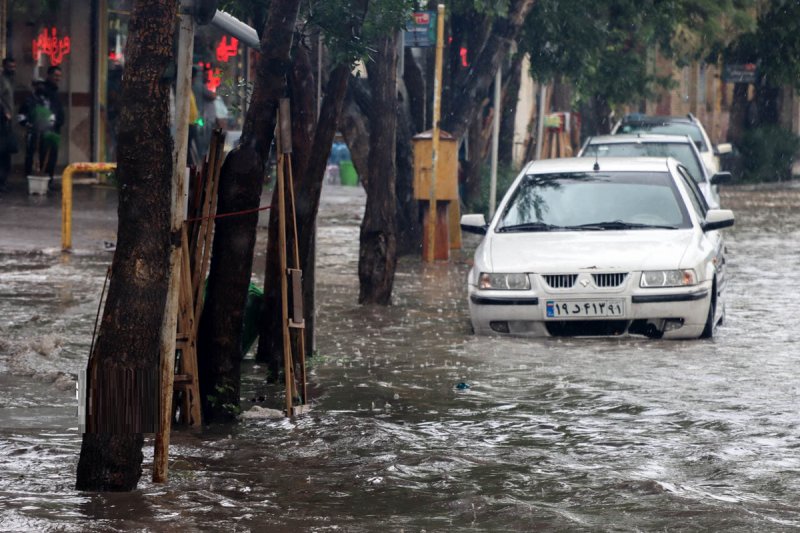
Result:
x=66 y=196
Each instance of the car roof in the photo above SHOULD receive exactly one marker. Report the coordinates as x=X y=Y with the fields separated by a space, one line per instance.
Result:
x=606 y=164
x=640 y=137
x=656 y=119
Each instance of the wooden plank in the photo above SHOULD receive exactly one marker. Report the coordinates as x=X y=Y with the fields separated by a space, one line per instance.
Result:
x=189 y=361
x=199 y=275
x=296 y=282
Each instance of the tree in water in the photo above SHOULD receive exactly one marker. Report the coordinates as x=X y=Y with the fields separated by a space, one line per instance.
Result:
x=377 y=257
x=241 y=182
x=123 y=367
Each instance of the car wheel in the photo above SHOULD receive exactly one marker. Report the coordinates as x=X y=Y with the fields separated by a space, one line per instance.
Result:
x=708 y=331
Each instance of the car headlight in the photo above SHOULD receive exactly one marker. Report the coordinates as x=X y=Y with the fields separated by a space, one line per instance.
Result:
x=511 y=282
x=668 y=278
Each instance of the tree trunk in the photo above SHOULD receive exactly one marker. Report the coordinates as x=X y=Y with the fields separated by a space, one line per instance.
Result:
x=415 y=86
x=738 y=118
x=601 y=115
x=511 y=86
x=469 y=91
x=309 y=172
x=378 y=246
x=123 y=368
x=241 y=183
x=476 y=140
x=768 y=100
x=409 y=234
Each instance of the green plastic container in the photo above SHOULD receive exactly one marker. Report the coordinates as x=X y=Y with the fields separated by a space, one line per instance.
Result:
x=347 y=173
x=252 y=317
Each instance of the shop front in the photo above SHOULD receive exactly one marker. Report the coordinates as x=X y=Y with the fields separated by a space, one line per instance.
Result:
x=87 y=40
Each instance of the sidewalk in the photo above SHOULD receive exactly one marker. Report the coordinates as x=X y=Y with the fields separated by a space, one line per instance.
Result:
x=33 y=223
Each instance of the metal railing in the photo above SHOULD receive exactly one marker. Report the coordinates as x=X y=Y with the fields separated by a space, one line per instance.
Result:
x=66 y=196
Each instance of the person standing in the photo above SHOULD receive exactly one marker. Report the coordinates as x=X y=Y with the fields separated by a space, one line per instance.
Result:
x=51 y=140
x=8 y=140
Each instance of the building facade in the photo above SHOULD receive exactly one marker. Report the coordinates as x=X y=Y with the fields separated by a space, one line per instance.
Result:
x=87 y=39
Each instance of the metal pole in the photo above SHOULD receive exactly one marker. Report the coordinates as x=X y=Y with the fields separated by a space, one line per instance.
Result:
x=540 y=118
x=177 y=215
x=437 y=97
x=498 y=80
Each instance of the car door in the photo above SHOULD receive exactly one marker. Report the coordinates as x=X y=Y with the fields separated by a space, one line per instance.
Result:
x=715 y=237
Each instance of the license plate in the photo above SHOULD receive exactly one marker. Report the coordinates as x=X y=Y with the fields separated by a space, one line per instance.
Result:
x=560 y=309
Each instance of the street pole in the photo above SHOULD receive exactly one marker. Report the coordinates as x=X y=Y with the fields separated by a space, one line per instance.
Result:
x=177 y=215
x=437 y=97
x=540 y=122
x=498 y=80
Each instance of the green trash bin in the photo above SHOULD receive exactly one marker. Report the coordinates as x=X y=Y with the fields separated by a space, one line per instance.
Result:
x=252 y=317
x=347 y=173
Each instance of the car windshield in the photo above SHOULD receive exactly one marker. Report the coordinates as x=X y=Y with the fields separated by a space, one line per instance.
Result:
x=673 y=128
x=681 y=151
x=594 y=201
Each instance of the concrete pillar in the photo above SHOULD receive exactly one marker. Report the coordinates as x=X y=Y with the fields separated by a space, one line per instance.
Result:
x=78 y=76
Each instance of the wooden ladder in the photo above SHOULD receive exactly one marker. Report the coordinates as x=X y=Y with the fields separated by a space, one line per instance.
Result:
x=196 y=240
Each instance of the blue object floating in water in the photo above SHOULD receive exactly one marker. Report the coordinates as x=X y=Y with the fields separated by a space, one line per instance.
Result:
x=462 y=386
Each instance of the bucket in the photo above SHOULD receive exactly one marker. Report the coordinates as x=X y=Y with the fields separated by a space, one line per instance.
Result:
x=38 y=184
x=347 y=173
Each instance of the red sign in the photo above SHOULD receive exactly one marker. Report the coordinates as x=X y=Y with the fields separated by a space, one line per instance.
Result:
x=48 y=43
x=422 y=18
x=213 y=76
x=226 y=49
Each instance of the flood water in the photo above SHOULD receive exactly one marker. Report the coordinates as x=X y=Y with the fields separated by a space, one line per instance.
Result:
x=419 y=425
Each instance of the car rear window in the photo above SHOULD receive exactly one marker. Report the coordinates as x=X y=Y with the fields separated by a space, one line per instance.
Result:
x=576 y=199
x=675 y=128
x=682 y=152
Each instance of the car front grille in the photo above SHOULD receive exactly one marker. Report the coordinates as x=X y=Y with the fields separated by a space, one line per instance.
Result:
x=609 y=280
x=560 y=281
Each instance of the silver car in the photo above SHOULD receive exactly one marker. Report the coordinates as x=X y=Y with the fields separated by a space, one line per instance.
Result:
x=676 y=125
x=680 y=147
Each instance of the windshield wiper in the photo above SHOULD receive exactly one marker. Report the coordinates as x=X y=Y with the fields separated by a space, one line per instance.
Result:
x=531 y=226
x=620 y=224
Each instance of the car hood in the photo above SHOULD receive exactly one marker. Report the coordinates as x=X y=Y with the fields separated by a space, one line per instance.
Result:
x=574 y=251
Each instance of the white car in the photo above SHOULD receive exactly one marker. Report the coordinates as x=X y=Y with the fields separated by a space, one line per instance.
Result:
x=680 y=147
x=600 y=247
x=670 y=125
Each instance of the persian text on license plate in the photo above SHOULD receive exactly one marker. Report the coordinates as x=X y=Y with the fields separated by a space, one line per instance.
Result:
x=556 y=309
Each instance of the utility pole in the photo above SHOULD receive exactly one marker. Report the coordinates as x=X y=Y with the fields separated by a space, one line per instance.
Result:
x=437 y=106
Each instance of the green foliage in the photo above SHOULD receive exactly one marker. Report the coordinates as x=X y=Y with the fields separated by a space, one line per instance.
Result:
x=604 y=50
x=218 y=401
x=767 y=154
x=349 y=27
x=774 y=44
x=485 y=7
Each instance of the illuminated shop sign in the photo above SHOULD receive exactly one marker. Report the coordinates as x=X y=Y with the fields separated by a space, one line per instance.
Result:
x=48 y=43
x=227 y=48
x=213 y=76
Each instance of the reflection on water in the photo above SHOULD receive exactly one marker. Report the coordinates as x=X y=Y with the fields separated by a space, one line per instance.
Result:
x=557 y=434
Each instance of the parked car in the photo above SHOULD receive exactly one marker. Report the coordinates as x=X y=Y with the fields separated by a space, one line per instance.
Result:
x=600 y=247
x=680 y=147
x=688 y=125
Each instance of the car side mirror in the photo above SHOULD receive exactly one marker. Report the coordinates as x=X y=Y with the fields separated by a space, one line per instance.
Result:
x=718 y=219
x=475 y=223
x=723 y=148
x=721 y=178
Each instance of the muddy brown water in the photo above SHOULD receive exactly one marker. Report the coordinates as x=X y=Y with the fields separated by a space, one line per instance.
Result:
x=419 y=425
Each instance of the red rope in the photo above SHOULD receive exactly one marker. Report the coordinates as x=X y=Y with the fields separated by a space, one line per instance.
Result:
x=237 y=213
